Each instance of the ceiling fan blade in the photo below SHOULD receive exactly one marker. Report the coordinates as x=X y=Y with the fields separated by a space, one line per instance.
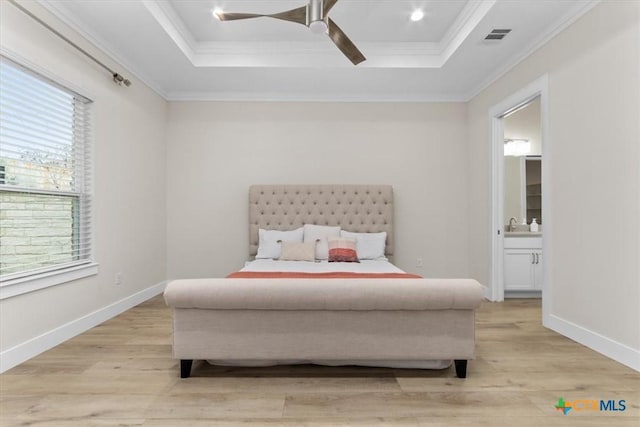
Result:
x=343 y=42
x=328 y=4
x=231 y=16
x=298 y=15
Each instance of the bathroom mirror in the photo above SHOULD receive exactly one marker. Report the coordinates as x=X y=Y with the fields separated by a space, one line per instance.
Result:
x=523 y=164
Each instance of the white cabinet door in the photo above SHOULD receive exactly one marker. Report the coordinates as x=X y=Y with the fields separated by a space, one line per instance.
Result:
x=519 y=269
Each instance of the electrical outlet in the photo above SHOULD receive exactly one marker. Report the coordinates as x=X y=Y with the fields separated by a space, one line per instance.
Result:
x=118 y=280
x=419 y=263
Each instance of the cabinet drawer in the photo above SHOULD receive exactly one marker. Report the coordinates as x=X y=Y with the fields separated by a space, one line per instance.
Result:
x=523 y=242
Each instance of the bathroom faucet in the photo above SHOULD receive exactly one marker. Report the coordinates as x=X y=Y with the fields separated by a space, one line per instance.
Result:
x=511 y=223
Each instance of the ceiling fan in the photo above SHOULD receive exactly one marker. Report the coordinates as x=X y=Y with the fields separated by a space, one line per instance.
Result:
x=314 y=16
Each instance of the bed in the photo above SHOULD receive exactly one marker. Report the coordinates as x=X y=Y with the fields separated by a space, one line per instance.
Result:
x=366 y=313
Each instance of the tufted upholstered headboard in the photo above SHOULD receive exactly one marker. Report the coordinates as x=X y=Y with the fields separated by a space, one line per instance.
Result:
x=355 y=208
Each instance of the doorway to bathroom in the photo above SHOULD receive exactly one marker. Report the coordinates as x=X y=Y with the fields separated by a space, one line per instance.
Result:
x=520 y=175
x=522 y=201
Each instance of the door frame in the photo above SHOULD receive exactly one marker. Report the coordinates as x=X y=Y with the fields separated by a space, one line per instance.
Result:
x=517 y=100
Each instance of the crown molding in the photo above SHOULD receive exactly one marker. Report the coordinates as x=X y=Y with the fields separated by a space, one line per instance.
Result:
x=314 y=55
x=171 y=23
x=465 y=23
x=307 y=97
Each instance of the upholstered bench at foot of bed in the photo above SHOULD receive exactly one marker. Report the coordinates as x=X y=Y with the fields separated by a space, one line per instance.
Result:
x=355 y=320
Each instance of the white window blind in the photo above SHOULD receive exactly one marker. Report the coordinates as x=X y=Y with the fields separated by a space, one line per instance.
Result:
x=45 y=174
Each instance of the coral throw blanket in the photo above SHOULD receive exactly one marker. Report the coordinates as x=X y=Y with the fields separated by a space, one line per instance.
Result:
x=327 y=275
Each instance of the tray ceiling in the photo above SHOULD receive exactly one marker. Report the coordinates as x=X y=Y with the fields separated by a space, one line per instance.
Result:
x=182 y=51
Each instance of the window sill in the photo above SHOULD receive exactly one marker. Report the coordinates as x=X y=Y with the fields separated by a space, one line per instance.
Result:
x=23 y=285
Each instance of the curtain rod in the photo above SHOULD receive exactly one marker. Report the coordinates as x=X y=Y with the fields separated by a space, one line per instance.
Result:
x=117 y=77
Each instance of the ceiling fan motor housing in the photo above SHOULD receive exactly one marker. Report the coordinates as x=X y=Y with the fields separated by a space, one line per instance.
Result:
x=315 y=17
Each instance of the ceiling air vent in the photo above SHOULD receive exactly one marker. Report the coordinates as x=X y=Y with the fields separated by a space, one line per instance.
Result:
x=497 y=34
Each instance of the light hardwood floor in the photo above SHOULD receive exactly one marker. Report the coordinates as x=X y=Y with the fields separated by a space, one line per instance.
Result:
x=121 y=374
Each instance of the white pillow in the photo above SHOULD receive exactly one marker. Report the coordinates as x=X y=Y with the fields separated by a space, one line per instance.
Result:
x=268 y=246
x=320 y=233
x=368 y=245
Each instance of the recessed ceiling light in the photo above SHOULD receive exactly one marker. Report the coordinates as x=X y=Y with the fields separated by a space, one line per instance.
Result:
x=216 y=13
x=417 y=15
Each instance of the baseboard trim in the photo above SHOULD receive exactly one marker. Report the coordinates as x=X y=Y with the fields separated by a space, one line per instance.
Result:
x=606 y=346
x=31 y=348
x=522 y=294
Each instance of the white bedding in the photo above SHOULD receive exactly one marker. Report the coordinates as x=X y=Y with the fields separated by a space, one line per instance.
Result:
x=364 y=266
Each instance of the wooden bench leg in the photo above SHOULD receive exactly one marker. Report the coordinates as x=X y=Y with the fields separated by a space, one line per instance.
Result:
x=185 y=367
x=461 y=368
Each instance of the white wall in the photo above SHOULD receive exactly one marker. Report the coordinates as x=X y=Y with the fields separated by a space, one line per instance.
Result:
x=129 y=209
x=215 y=151
x=593 y=155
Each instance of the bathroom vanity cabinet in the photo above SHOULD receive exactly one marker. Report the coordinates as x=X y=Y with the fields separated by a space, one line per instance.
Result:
x=523 y=263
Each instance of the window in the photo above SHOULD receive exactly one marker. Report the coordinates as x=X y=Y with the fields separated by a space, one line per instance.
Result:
x=45 y=198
